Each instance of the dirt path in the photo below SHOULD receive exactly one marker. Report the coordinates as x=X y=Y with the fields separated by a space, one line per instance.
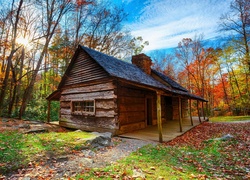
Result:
x=70 y=165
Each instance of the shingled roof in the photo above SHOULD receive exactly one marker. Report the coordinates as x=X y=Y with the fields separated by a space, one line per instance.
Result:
x=122 y=69
x=130 y=72
x=169 y=80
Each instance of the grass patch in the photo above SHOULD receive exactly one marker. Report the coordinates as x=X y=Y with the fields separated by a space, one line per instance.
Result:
x=229 y=118
x=10 y=151
x=153 y=163
x=17 y=150
x=216 y=160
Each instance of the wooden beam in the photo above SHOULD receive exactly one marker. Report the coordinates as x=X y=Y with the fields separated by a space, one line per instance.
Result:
x=158 y=90
x=48 y=115
x=198 y=111
x=159 y=122
x=180 y=112
x=190 y=111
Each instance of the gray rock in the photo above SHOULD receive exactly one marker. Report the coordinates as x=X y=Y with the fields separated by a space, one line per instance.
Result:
x=223 y=138
x=226 y=137
x=106 y=134
x=102 y=140
x=26 y=126
x=36 y=131
x=5 y=120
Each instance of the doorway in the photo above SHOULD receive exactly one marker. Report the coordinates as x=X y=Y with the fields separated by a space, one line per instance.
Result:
x=169 y=108
x=149 y=108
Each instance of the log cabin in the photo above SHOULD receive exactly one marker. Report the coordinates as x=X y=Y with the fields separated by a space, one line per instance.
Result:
x=101 y=93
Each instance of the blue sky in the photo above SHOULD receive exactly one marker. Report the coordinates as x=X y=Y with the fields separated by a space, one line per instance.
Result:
x=165 y=22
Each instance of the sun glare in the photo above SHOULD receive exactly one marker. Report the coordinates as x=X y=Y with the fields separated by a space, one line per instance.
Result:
x=22 y=41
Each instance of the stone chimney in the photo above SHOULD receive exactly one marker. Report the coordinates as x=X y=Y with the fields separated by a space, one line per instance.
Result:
x=142 y=61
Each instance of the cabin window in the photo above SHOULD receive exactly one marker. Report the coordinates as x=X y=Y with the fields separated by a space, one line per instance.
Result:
x=83 y=107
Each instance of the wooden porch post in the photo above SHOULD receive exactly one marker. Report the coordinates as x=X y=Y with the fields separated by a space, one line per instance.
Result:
x=159 y=122
x=203 y=111
x=207 y=111
x=198 y=111
x=190 y=111
x=180 y=112
x=48 y=115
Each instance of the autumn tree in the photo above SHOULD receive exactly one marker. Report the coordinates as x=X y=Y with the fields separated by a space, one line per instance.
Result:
x=38 y=39
x=137 y=45
x=236 y=57
x=164 y=62
x=185 y=57
x=52 y=12
x=105 y=31
x=237 y=21
x=14 y=23
x=239 y=89
x=198 y=70
x=221 y=89
x=79 y=20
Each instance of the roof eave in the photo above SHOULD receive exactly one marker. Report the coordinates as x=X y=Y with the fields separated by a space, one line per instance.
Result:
x=54 y=96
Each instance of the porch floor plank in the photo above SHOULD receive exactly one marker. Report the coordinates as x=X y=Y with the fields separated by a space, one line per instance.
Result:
x=170 y=130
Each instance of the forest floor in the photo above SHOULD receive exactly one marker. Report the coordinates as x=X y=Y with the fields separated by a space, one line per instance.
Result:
x=65 y=166
x=82 y=162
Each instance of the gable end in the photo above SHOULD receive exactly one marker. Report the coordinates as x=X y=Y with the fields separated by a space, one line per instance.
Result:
x=84 y=69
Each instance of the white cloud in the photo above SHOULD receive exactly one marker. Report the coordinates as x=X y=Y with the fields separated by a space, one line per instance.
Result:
x=165 y=22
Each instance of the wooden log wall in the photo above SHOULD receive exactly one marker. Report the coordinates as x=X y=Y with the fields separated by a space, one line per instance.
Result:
x=175 y=105
x=132 y=107
x=184 y=108
x=105 y=117
x=163 y=108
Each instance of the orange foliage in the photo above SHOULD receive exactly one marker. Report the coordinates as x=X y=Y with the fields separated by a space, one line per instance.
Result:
x=200 y=72
x=80 y=3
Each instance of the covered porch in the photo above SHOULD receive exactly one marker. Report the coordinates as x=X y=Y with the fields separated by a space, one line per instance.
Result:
x=170 y=130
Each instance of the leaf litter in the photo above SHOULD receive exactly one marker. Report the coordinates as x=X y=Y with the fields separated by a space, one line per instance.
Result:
x=234 y=162
x=222 y=159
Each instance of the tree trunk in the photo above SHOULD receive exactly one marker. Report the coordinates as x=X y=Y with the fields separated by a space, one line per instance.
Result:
x=29 y=89
x=18 y=88
x=224 y=89
x=51 y=12
x=9 y=59
x=237 y=85
x=5 y=81
x=12 y=93
x=12 y=101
